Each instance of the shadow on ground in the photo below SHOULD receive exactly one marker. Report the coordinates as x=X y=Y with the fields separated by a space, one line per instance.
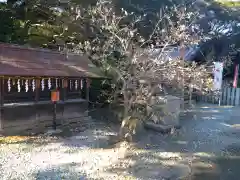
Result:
x=64 y=171
x=206 y=150
x=159 y=156
x=157 y=163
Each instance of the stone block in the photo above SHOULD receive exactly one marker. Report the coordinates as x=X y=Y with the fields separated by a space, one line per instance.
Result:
x=172 y=110
x=166 y=110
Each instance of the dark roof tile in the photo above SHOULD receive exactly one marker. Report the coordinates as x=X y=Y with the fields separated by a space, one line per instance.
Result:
x=21 y=61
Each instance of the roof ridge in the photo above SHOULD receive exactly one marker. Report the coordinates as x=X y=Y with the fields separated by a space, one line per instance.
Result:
x=17 y=46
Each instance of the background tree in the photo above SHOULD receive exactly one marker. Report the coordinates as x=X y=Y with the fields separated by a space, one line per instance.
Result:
x=123 y=41
x=39 y=22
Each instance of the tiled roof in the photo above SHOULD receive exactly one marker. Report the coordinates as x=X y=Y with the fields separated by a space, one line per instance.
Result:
x=22 y=61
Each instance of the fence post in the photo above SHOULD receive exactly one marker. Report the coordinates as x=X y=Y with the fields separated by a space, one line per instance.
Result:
x=205 y=98
x=213 y=98
x=237 y=97
x=233 y=96
x=225 y=96
x=228 y=96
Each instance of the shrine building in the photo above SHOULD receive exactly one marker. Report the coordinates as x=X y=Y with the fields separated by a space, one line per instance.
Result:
x=32 y=80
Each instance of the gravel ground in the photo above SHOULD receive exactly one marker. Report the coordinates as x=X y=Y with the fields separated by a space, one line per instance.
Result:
x=206 y=148
x=76 y=157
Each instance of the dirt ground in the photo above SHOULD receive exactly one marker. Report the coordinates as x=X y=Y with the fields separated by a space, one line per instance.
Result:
x=207 y=147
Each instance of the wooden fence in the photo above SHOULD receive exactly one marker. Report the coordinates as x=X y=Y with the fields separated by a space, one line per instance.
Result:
x=228 y=96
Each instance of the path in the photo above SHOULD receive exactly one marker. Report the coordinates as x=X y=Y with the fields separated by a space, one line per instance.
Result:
x=209 y=147
x=206 y=148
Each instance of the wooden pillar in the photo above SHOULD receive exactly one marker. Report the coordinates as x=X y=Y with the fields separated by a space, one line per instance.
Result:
x=87 y=89
x=1 y=103
x=87 y=94
x=37 y=89
x=64 y=89
x=64 y=97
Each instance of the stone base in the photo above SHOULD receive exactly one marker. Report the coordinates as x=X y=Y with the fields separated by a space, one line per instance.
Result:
x=165 y=129
x=173 y=107
x=34 y=119
x=168 y=114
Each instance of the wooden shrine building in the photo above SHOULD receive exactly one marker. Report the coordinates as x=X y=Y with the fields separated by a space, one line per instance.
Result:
x=27 y=79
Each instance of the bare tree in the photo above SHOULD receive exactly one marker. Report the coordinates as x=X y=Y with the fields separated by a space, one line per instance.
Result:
x=140 y=67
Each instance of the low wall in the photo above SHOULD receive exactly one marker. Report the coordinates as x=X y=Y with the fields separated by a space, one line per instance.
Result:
x=31 y=117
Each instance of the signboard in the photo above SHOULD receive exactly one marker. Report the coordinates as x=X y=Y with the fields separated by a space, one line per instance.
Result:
x=217 y=71
x=55 y=96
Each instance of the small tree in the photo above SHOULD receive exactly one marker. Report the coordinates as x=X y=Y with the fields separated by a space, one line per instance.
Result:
x=139 y=66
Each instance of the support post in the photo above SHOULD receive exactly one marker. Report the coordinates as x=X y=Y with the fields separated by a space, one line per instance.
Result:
x=87 y=90
x=37 y=88
x=54 y=115
x=63 y=97
x=55 y=99
x=64 y=93
x=87 y=85
x=64 y=89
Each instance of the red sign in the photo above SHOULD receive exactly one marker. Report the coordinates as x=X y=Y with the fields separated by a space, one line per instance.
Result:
x=55 y=96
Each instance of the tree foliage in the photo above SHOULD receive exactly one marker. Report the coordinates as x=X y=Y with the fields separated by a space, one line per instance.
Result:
x=42 y=23
x=138 y=64
x=128 y=41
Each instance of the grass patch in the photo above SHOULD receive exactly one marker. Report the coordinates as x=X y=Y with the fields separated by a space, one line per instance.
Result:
x=72 y=150
x=15 y=139
x=229 y=3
